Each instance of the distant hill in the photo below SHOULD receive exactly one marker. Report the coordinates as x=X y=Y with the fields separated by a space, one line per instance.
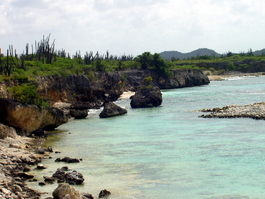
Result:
x=259 y=52
x=199 y=52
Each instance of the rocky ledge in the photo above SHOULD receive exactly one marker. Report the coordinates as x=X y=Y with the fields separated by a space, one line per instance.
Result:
x=28 y=119
x=254 y=111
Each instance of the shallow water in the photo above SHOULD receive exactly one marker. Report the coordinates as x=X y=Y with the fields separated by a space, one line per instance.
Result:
x=168 y=151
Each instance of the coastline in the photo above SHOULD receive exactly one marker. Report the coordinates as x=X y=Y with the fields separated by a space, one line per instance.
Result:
x=234 y=74
x=17 y=148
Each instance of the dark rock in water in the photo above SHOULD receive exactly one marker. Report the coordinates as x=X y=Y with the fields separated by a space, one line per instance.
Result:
x=72 y=177
x=67 y=159
x=104 y=193
x=42 y=183
x=29 y=118
x=26 y=175
x=64 y=190
x=59 y=175
x=49 y=179
x=149 y=96
x=78 y=114
x=111 y=109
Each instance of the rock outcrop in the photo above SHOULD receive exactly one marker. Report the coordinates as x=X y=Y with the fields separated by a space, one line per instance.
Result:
x=254 y=111
x=27 y=119
x=111 y=109
x=145 y=97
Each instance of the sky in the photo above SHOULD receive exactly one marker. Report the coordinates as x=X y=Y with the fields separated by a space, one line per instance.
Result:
x=132 y=27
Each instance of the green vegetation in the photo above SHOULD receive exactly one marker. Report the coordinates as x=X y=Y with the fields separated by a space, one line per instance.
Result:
x=147 y=83
x=45 y=60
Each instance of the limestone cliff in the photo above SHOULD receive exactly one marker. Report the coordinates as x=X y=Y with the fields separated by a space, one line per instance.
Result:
x=91 y=93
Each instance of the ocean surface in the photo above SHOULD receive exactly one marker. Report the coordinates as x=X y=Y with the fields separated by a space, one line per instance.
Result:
x=169 y=151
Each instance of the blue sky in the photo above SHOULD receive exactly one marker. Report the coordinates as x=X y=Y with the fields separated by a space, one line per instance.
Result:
x=134 y=26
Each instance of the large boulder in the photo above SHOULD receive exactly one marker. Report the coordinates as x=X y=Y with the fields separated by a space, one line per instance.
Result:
x=111 y=109
x=78 y=114
x=64 y=190
x=145 y=97
x=6 y=131
x=79 y=111
x=27 y=119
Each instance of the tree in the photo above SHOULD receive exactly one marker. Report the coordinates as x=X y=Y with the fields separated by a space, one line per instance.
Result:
x=145 y=60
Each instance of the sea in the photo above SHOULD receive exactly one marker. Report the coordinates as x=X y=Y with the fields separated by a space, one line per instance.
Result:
x=168 y=152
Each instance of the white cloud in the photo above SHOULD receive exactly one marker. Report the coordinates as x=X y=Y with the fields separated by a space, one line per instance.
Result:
x=135 y=26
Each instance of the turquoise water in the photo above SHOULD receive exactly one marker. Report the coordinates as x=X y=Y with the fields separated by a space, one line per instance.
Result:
x=168 y=151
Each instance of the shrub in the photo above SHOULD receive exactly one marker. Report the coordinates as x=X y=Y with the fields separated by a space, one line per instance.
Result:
x=27 y=93
x=147 y=80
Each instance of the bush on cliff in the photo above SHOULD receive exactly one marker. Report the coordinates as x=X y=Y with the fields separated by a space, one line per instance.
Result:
x=27 y=93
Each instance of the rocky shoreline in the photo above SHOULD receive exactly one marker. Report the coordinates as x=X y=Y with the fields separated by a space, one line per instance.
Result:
x=17 y=154
x=254 y=111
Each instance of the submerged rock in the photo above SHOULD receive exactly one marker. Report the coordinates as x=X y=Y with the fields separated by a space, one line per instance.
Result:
x=67 y=160
x=111 y=109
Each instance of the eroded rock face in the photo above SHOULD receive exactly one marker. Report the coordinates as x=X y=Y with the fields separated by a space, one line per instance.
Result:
x=111 y=109
x=147 y=97
x=29 y=118
x=78 y=89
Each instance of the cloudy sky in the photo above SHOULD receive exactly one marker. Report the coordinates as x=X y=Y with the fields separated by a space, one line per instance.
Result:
x=135 y=26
